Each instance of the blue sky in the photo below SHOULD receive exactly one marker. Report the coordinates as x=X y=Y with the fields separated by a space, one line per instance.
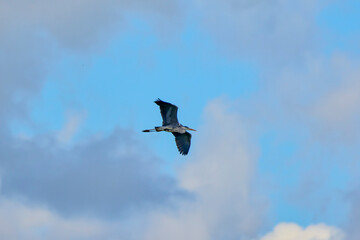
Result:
x=271 y=87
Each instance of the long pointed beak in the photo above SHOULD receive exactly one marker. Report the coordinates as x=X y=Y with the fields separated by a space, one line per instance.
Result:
x=191 y=129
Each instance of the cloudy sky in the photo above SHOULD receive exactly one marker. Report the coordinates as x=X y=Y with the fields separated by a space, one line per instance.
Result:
x=272 y=86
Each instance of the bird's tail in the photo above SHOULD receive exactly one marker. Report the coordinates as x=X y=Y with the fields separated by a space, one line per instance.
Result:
x=149 y=130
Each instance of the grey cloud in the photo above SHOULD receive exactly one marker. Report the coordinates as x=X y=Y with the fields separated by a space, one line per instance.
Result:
x=268 y=31
x=23 y=67
x=320 y=96
x=106 y=177
x=352 y=224
x=34 y=34
x=297 y=80
x=79 y=24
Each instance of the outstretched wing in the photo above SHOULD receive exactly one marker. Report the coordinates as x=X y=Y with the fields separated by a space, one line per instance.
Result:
x=168 y=112
x=183 y=141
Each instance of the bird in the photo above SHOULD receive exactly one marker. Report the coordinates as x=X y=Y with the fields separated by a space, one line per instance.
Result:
x=171 y=124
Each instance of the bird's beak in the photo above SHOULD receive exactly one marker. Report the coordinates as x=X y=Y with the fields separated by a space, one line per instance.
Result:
x=191 y=129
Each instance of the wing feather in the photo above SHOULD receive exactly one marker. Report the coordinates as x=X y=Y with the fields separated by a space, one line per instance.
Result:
x=168 y=112
x=183 y=141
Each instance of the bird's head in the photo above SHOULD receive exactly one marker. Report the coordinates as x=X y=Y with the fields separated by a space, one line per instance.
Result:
x=187 y=128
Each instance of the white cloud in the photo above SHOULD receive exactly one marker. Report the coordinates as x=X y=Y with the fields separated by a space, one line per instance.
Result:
x=320 y=95
x=70 y=128
x=292 y=231
x=220 y=174
x=21 y=221
x=107 y=177
x=271 y=31
x=338 y=106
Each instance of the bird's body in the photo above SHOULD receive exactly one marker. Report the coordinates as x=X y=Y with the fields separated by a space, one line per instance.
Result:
x=171 y=128
x=171 y=124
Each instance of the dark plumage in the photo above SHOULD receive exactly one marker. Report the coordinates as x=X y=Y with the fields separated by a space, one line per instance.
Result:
x=171 y=124
x=183 y=141
x=168 y=112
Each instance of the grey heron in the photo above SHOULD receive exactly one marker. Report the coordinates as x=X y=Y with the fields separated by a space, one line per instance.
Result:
x=171 y=124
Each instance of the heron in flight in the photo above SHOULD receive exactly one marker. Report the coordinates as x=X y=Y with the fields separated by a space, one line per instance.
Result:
x=171 y=124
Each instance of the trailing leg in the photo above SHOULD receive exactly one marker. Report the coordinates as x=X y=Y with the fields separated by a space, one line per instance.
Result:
x=149 y=130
